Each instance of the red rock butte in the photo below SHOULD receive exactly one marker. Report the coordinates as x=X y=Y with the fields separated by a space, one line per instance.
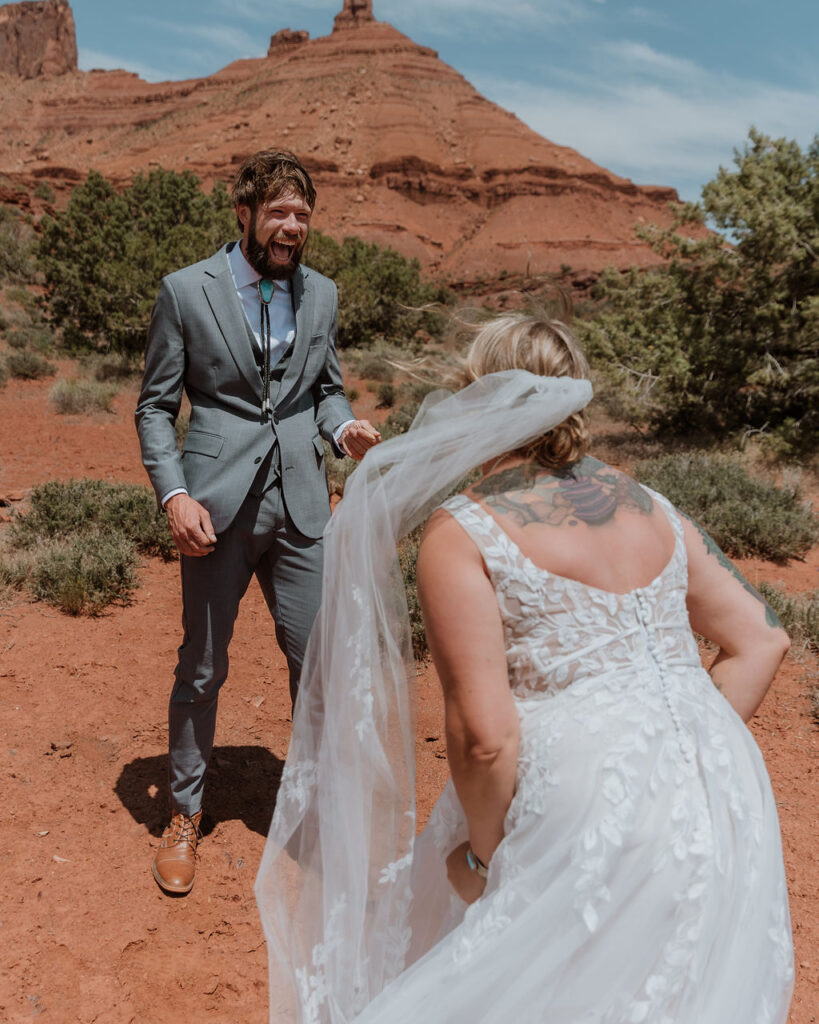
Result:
x=403 y=150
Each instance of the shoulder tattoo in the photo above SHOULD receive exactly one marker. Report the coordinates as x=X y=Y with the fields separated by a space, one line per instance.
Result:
x=714 y=549
x=589 y=492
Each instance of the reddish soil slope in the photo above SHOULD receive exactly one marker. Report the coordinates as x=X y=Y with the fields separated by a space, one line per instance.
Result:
x=86 y=934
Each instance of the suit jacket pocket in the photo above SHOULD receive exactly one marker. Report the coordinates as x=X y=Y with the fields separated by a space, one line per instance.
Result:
x=203 y=442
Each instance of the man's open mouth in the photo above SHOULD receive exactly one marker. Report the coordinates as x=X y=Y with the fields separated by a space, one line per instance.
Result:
x=282 y=251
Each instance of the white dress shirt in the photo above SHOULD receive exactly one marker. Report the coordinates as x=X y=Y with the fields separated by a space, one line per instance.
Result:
x=282 y=315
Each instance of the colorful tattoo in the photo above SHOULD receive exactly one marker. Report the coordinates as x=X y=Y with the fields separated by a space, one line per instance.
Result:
x=714 y=549
x=590 y=492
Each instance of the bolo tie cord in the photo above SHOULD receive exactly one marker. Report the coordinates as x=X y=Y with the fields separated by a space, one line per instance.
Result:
x=264 y=333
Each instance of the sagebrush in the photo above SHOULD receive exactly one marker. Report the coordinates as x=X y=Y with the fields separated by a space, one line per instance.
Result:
x=78 y=544
x=744 y=515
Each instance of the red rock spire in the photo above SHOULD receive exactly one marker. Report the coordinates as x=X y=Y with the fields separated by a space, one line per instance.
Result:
x=353 y=14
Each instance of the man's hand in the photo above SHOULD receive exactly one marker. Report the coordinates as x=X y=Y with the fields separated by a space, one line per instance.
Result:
x=357 y=438
x=190 y=525
x=467 y=883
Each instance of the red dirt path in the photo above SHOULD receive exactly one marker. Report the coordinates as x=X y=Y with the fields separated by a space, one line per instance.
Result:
x=86 y=934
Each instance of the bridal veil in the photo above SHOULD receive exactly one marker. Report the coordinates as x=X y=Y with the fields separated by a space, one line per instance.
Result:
x=333 y=887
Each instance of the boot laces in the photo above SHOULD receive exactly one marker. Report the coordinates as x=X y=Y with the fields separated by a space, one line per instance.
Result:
x=184 y=830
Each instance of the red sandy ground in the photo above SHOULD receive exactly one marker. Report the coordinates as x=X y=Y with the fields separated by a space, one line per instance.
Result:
x=86 y=934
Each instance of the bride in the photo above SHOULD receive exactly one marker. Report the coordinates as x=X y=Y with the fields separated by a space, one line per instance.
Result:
x=607 y=850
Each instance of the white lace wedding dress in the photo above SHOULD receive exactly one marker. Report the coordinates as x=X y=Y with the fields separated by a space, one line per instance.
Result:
x=641 y=875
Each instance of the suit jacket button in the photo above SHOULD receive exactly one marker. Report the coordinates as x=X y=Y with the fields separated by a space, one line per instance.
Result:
x=275 y=417
x=257 y=460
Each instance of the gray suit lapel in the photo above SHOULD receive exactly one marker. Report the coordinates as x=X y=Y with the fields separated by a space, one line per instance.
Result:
x=220 y=292
x=303 y=304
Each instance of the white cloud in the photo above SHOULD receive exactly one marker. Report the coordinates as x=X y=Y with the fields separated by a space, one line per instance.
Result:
x=222 y=38
x=640 y=58
x=648 y=16
x=673 y=127
x=89 y=59
x=462 y=17
x=267 y=12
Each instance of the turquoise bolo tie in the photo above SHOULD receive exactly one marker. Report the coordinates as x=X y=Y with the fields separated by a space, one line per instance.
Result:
x=266 y=288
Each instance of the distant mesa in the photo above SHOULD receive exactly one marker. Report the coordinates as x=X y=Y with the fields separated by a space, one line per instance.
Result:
x=37 y=38
x=403 y=149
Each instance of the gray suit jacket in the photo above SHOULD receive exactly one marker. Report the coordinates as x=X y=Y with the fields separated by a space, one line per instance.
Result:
x=198 y=342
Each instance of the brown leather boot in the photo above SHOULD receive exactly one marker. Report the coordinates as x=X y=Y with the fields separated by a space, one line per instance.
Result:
x=174 y=865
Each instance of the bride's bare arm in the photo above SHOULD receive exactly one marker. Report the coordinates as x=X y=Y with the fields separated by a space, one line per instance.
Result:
x=726 y=609
x=465 y=636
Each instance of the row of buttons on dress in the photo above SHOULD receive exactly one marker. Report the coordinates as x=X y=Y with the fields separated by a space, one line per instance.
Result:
x=645 y=616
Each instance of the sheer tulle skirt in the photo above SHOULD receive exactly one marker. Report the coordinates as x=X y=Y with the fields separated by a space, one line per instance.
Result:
x=640 y=879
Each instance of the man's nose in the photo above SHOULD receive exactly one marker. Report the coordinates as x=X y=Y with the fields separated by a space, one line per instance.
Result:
x=291 y=224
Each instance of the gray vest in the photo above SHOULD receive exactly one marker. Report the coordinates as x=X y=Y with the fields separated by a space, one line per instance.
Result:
x=270 y=468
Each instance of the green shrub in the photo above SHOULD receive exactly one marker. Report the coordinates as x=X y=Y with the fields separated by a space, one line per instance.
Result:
x=375 y=366
x=104 y=255
x=338 y=470
x=61 y=509
x=77 y=545
x=180 y=428
x=42 y=190
x=386 y=396
x=34 y=335
x=4 y=373
x=22 y=297
x=400 y=419
x=80 y=395
x=83 y=574
x=109 y=368
x=407 y=558
x=28 y=365
x=744 y=515
x=722 y=338
x=380 y=292
x=799 y=614
x=16 y=246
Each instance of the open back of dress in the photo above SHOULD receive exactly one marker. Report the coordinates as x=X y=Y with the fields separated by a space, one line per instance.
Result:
x=641 y=875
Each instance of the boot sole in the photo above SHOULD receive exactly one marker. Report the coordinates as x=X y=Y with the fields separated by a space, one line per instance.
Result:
x=160 y=881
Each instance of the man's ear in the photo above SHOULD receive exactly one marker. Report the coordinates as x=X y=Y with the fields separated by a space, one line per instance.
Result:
x=244 y=213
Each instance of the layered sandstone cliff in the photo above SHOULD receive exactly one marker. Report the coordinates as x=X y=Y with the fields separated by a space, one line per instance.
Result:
x=404 y=150
x=37 y=38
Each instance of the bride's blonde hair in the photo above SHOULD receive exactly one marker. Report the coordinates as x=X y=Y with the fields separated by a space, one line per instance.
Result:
x=541 y=345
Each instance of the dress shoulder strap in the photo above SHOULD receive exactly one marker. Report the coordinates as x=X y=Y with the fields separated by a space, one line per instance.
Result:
x=497 y=548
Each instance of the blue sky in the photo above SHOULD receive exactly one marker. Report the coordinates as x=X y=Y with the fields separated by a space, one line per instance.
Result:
x=660 y=91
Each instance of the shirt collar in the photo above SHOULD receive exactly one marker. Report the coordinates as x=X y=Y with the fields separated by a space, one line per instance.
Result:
x=244 y=274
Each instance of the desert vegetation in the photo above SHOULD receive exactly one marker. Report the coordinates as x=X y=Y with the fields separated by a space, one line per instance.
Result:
x=78 y=544
x=722 y=340
x=715 y=346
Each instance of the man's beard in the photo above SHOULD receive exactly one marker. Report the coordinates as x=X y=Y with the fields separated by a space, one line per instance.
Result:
x=257 y=256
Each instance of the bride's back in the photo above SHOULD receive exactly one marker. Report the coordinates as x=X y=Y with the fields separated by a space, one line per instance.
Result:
x=589 y=523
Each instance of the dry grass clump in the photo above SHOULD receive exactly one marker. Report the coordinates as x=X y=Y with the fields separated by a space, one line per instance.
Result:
x=798 y=613
x=80 y=395
x=28 y=365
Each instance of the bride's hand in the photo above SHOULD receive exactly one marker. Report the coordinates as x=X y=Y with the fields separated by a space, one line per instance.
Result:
x=466 y=883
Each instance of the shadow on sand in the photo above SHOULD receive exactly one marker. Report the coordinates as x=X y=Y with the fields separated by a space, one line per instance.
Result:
x=241 y=784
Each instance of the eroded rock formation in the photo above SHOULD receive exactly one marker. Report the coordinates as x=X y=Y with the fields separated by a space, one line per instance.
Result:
x=403 y=150
x=37 y=38
x=353 y=14
x=285 y=39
